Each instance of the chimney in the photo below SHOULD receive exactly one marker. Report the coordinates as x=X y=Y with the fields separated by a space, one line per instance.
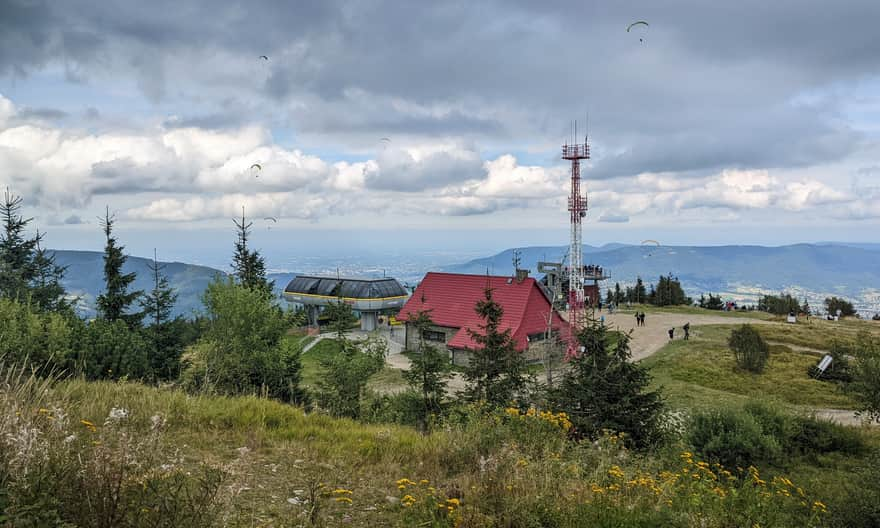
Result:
x=521 y=274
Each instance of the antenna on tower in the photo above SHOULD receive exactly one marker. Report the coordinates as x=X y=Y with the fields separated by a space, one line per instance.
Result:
x=516 y=259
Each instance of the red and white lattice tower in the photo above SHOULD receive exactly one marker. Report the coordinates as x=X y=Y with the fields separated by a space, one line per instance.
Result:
x=577 y=207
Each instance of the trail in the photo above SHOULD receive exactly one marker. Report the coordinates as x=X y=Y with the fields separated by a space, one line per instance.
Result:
x=648 y=339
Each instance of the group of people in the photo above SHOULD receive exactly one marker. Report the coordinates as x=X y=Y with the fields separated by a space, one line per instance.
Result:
x=686 y=328
x=640 y=318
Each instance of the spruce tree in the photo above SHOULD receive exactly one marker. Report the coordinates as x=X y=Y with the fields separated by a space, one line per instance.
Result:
x=639 y=291
x=430 y=369
x=164 y=335
x=46 y=289
x=618 y=295
x=496 y=373
x=602 y=390
x=114 y=303
x=248 y=265
x=16 y=267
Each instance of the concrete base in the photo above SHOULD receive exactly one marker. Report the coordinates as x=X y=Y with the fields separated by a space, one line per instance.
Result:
x=369 y=321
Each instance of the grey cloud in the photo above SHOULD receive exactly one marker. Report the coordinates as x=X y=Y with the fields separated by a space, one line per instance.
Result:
x=73 y=220
x=715 y=85
x=399 y=171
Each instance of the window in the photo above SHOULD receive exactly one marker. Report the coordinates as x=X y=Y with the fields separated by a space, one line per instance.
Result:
x=433 y=335
x=536 y=337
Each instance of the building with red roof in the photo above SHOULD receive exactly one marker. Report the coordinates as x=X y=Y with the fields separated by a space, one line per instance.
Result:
x=450 y=299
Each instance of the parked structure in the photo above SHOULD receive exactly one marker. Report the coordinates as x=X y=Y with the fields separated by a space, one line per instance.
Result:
x=367 y=297
x=450 y=300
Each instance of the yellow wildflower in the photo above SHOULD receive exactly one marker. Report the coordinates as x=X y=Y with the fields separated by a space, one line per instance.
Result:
x=340 y=491
x=343 y=499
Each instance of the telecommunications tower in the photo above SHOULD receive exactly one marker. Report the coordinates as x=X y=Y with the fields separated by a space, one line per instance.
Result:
x=577 y=207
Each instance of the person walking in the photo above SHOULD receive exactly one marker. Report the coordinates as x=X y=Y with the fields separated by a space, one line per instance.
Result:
x=643 y=318
x=687 y=330
x=672 y=333
x=638 y=319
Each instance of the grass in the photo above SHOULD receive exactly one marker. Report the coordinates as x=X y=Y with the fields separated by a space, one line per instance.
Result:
x=695 y=310
x=702 y=372
x=289 y=450
x=817 y=333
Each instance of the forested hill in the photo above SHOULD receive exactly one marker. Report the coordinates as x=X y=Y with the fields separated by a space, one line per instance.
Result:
x=811 y=270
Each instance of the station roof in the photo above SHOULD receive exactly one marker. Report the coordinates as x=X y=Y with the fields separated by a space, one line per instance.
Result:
x=345 y=288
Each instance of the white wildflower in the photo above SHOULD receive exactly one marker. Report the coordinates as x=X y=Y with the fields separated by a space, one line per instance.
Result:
x=117 y=414
x=70 y=439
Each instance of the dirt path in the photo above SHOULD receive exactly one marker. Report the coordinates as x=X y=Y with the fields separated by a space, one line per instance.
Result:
x=648 y=339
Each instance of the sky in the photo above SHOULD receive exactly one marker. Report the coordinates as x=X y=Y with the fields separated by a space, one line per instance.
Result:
x=412 y=126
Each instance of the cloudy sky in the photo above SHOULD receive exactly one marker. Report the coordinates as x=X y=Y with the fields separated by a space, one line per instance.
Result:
x=721 y=122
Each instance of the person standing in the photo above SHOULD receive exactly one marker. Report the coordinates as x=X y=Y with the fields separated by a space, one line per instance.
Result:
x=672 y=333
x=643 y=318
x=687 y=330
x=638 y=319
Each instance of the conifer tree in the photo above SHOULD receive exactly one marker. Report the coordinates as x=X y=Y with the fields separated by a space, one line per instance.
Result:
x=639 y=291
x=248 y=265
x=430 y=369
x=602 y=390
x=167 y=345
x=114 y=303
x=496 y=373
x=16 y=269
x=618 y=294
x=46 y=289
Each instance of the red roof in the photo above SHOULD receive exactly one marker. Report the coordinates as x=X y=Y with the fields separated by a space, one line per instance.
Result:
x=451 y=298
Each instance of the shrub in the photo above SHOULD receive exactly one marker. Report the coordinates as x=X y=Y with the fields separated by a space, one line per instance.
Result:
x=733 y=438
x=111 y=350
x=749 y=348
x=40 y=340
x=866 y=375
x=763 y=433
x=404 y=408
x=242 y=350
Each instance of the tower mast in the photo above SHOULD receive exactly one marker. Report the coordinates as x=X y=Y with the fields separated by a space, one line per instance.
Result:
x=577 y=208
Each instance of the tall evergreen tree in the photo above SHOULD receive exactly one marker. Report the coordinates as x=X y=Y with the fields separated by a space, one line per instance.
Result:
x=248 y=265
x=114 y=303
x=46 y=289
x=496 y=373
x=164 y=333
x=618 y=294
x=158 y=303
x=603 y=390
x=430 y=369
x=639 y=292
x=16 y=250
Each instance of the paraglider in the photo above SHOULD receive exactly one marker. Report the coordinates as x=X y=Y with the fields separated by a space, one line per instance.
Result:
x=637 y=23
x=264 y=57
x=649 y=243
x=272 y=218
x=255 y=169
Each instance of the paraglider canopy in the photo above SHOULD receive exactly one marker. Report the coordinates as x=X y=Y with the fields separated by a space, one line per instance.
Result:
x=272 y=218
x=637 y=23
x=267 y=58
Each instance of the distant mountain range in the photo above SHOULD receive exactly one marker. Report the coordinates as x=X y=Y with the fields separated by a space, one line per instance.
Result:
x=84 y=278
x=741 y=273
